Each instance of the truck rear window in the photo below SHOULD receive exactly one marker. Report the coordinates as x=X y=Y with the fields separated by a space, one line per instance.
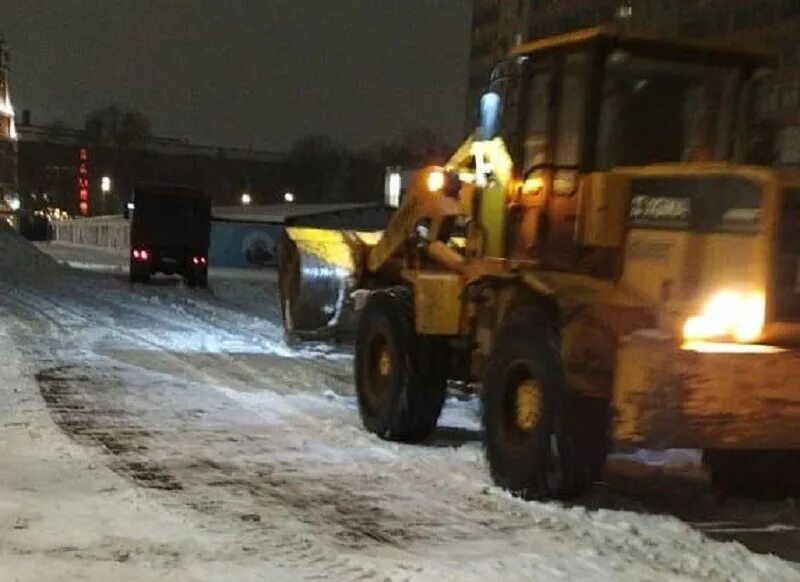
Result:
x=165 y=211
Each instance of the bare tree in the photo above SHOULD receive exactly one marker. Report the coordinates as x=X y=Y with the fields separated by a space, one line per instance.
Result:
x=117 y=126
x=320 y=165
x=414 y=147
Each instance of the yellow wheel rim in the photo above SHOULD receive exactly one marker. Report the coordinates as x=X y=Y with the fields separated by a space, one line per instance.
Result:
x=384 y=363
x=528 y=406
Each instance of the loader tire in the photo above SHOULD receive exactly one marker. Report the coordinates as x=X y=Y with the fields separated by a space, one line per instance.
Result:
x=400 y=376
x=531 y=444
x=766 y=474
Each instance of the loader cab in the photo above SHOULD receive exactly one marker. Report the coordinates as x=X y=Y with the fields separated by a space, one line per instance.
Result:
x=594 y=101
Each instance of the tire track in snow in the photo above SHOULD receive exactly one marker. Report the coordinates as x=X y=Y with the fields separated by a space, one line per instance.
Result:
x=69 y=317
x=66 y=391
x=74 y=397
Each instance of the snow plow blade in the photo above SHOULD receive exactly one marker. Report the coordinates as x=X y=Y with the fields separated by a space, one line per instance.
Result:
x=706 y=395
x=317 y=271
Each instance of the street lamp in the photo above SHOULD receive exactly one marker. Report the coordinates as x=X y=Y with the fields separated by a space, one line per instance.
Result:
x=288 y=197
x=246 y=199
x=105 y=188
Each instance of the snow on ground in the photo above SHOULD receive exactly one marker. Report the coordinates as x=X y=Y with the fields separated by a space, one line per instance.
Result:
x=64 y=515
x=159 y=432
x=250 y=290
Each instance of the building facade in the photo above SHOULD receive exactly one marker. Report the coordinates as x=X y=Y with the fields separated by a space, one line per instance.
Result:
x=56 y=163
x=8 y=134
x=52 y=161
x=773 y=24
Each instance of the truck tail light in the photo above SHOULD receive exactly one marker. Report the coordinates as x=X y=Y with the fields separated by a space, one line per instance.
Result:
x=199 y=260
x=141 y=255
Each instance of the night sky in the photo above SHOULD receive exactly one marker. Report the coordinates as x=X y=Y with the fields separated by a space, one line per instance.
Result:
x=254 y=73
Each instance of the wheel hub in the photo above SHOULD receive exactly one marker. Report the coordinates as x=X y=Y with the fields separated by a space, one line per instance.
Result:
x=384 y=363
x=528 y=405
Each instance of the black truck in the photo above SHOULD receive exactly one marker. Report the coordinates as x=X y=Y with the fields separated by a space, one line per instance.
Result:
x=170 y=232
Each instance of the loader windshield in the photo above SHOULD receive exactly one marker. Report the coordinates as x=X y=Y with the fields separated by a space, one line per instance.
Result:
x=658 y=111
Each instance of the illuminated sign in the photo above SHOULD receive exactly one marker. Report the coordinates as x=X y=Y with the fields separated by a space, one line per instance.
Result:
x=83 y=181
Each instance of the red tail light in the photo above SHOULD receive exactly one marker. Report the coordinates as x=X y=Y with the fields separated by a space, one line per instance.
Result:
x=140 y=255
x=199 y=260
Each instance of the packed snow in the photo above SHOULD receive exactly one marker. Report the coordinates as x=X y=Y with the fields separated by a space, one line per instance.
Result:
x=157 y=432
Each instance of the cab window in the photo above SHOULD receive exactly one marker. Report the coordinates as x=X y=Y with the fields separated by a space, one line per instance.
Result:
x=556 y=102
x=658 y=111
x=571 y=111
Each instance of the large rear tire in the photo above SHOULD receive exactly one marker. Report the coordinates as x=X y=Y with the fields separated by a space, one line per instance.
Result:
x=531 y=443
x=754 y=473
x=400 y=376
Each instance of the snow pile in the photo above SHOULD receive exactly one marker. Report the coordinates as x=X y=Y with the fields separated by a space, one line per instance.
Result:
x=19 y=259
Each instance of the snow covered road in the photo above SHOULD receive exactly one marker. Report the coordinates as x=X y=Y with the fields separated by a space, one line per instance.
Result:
x=157 y=432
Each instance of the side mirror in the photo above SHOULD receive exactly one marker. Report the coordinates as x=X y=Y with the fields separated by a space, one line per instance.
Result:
x=491 y=113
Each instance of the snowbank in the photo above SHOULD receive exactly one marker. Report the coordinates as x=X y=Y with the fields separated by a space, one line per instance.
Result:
x=19 y=259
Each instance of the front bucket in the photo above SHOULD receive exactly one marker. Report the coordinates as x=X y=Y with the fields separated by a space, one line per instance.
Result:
x=317 y=272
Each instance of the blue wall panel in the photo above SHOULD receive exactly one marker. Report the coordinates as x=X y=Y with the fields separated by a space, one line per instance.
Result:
x=243 y=245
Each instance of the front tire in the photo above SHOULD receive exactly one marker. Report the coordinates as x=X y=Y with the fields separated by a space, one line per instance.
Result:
x=400 y=376
x=530 y=441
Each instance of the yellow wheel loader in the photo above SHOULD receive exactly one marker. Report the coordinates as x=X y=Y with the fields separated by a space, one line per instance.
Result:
x=608 y=262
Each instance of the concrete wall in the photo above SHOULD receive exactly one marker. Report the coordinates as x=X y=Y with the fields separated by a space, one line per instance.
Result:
x=111 y=233
x=233 y=244
x=244 y=245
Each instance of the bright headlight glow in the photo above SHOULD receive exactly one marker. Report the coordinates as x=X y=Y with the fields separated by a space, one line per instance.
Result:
x=435 y=181
x=466 y=177
x=728 y=314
